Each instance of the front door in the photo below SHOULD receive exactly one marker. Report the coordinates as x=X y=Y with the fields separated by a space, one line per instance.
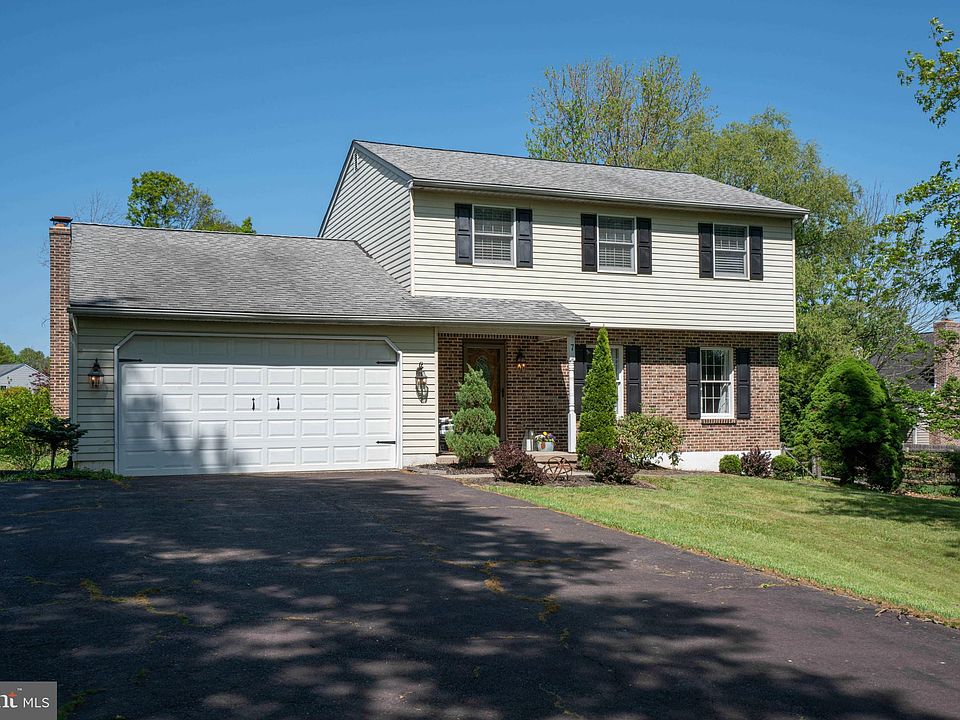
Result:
x=488 y=359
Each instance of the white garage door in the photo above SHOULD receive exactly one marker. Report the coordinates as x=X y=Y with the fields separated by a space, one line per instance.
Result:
x=192 y=405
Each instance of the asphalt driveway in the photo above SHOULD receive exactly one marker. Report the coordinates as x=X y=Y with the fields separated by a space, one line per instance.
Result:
x=397 y=596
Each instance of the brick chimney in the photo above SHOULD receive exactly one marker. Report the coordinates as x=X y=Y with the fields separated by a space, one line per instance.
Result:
x=60 y=238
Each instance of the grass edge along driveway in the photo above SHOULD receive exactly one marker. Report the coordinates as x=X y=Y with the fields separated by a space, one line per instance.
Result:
x=897 y=551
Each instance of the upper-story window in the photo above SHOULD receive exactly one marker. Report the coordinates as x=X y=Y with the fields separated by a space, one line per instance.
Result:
x=716 y=382
x=730 y=251
x=493 y=235
x=616 y=246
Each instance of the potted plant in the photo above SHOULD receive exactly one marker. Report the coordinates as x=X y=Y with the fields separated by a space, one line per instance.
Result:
x=545 y=441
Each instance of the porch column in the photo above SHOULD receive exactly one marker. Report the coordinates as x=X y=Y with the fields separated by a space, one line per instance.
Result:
x=571 y=404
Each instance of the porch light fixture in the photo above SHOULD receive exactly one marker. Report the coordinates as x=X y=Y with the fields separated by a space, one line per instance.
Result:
x=421 y=382
x=95 y=375
x=521 y=361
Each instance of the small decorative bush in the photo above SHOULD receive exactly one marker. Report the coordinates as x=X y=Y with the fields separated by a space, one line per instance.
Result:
x=854 y=427
x=18 y=408
x=642 y=437
x=784 y=467
x=756 y=463
x=598 y=410
x=730 y=464
x=472 y=438
x=511 y=464
x=610 y=466
x=55 y=433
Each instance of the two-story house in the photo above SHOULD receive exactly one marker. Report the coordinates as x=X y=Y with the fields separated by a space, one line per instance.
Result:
x=190 y=352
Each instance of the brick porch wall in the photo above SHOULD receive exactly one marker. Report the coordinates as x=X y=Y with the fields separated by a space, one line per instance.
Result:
x=536 y=396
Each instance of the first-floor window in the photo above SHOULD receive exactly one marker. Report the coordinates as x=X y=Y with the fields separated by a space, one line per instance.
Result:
x=716 y=382
x=730 y=251
x=615 y=243
x=492 y=235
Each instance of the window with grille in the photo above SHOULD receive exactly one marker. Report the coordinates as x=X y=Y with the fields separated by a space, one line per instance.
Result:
x=716 y=382
x=616 y=248
x=493 y=235
x=730 y=251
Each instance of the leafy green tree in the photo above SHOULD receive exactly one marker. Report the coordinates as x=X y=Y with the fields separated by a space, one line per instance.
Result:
x=19 y=407
x=7 y=355
x=619 y=114
x=472 y=438
x=854 y=426
x=35 y=359
x=938 y=79
x=598 y=409
x=56 y=434
x=161 y=199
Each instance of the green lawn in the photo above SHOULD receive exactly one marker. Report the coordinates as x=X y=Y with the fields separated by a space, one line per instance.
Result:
x=896 y=550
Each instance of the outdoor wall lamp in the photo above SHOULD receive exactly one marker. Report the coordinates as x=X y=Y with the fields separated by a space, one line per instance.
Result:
x=95 y=375
x=421 y=381
x=521 y=361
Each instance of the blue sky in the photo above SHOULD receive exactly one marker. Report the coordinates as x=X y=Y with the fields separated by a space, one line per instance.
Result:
x=257 y=101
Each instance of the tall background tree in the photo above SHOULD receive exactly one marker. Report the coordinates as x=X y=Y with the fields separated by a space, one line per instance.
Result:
x=861 y=288
x=161 y=199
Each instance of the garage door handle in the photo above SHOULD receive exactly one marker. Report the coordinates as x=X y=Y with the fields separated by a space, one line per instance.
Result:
x=386 y=442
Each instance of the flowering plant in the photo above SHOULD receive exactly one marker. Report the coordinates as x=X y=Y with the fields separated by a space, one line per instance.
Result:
x=545 y=437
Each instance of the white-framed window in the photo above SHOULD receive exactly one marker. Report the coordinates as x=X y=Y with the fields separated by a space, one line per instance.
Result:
x=493 y=235
x=730 y=251
x=616 y=243
x=616 y=352
x=716 y=382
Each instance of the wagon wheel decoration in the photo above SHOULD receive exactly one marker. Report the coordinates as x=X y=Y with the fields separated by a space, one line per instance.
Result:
x=559 y=468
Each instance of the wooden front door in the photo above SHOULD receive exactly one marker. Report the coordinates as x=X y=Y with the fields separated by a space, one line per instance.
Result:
x=488 y=359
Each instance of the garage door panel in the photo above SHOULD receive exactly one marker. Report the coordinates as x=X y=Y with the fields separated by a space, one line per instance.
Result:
x=196 y=405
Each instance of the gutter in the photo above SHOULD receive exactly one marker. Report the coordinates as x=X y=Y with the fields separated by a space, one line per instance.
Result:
x=100 y=311
x=575 y=195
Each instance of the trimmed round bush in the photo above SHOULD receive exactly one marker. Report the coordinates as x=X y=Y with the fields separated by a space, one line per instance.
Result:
x=512 y=464
x=472 y=438
x=784 y=467
x=610 y=466
x=854 y=426
x=644 y=436
x=730 y=464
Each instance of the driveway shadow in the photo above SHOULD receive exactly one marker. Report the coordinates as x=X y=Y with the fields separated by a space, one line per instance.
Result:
x=394 y=596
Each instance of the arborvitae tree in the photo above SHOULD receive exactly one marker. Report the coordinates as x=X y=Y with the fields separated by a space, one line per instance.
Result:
x=598 y=411
x=854 y=426
x=473 y=437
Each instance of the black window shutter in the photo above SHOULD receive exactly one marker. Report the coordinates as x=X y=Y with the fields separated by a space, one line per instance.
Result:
x=632 y=353
x=463 y=214
x=743 y=383
x=588 y=243
x=524 y=238
x=644 y=247
x=693 y=383
x=706 y=250
x=756 y=253
x=582 y=357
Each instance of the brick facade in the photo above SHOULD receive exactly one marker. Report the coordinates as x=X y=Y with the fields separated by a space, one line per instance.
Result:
x=59 y=319
x=536 y=396
x=946 y=365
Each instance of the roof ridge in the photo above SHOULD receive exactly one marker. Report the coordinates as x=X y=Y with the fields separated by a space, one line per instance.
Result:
x=212 y=232
x=527 y=157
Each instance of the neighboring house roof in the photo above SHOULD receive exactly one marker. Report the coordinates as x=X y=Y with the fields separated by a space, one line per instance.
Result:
x=915 y=368
x=430 y=167
x=150 y=271
x=8 y=368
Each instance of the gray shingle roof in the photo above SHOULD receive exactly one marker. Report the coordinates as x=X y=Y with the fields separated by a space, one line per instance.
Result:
x=550 y=177
x=149 y=270
x=915 y=369
x=9 y=367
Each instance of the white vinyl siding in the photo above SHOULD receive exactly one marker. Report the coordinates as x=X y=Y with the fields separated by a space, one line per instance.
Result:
x=730 y=251
x=372 y=207
x=716 y=382
x=674 y=296
x=493 y=235
x=616 y=244
x=97 y=337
